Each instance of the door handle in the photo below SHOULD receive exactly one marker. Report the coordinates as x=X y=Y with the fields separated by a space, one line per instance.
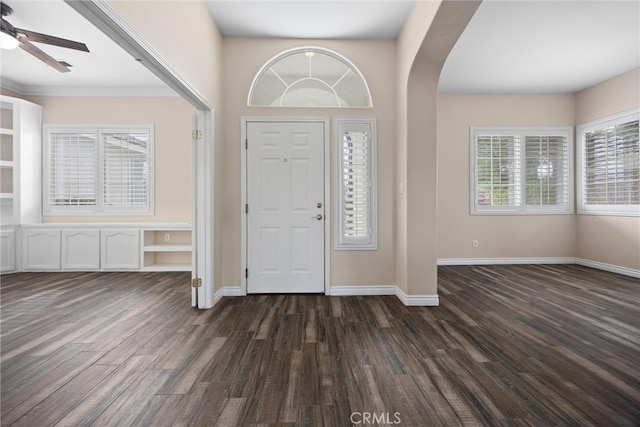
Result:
x=318 y=217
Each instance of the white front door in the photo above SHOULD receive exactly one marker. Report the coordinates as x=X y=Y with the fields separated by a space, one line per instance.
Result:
x=285 y=197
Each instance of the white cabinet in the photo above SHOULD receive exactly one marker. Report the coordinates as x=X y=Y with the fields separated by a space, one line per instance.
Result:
x=81 y=249
x=41 y=249
x=97 y=247
x=120 y=249
x=7 y=250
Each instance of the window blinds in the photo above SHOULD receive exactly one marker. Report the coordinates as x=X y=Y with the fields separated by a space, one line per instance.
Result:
x=356 y=184
x=546 y=170
x=356 y=227
x=521 y=170
x=125 y=169
x=612 y=165
x=498 y=170
x=106 y=169
x=72 y=169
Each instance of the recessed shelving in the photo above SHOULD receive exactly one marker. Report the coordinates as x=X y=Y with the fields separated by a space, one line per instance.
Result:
x=167 y=249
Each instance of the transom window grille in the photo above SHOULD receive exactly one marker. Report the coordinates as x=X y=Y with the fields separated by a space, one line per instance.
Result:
x=610 y=165
x=98 y=170
x=309 y=77
x=521 y=171
x=356 y=163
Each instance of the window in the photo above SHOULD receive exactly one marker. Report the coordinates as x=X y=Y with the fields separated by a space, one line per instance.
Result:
x=609 y=175
x=356 y=165
x=521 y=171
x=309 y=77
x=104 y=170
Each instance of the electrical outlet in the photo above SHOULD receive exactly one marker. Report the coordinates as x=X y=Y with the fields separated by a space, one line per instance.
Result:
x=167 y=237
x=475 y=243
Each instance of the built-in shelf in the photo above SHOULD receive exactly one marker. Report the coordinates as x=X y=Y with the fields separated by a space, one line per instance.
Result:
x=167 y=248
x=167 y=267
x=20 y=175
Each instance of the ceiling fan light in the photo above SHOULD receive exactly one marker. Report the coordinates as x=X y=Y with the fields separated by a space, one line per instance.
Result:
x=7 y=41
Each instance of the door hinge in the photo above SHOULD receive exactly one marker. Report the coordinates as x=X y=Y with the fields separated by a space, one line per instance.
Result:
x=246 y=144
x=196 y=283
x=196 y=134
x=246 y=208
x=246 y=273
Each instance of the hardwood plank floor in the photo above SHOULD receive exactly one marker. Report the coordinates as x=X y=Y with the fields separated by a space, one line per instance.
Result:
x=509 y=345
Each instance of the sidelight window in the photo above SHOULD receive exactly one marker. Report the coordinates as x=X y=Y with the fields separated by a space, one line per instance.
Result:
x=356 y=164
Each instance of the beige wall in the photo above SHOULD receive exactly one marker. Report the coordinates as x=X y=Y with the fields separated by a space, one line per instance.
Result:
x=613 y=240
x=171 y=118
x=409 y=42
x=184 y=34
x=417 y=137
x=499 y=236
x=375 y=60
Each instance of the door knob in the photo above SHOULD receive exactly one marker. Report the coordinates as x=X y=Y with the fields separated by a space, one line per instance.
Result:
x=318 y=217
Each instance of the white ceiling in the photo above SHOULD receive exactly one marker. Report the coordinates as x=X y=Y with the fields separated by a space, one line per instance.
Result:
x=544 y=46
x=509 y=46
x=106 y=67
x=311 y=19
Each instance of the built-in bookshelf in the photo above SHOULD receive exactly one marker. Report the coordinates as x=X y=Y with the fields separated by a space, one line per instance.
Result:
x=20 y=174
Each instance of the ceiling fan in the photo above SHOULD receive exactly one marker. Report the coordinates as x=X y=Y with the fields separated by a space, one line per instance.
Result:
x=12 y=37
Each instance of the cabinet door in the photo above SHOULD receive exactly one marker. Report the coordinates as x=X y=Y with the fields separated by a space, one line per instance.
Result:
x=120 y=249
x=81 y=249
x=41 y=249
x=7 y=250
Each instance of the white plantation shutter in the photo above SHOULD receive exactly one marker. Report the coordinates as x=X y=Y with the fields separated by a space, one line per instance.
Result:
x=96 y=170
x=356 y=165
x=125 y=169
x=73 y=170
x=498 y=171
x=546 y=170
x=610 y=161
x=356 y=184
x=521 y=170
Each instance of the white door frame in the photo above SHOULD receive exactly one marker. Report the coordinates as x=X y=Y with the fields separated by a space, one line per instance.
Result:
x=202 y=210
x=327 y=193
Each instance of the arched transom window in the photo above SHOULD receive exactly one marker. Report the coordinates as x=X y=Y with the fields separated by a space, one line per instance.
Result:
x=309 y=77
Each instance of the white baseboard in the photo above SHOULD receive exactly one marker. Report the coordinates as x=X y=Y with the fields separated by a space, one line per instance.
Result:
x=227 y=291
x=232 y=291
x=434 y=300
x=609 y=267
x=556 y=260
x=362 y=290
x=417 y=300
x=408 y=300
x=494 y=261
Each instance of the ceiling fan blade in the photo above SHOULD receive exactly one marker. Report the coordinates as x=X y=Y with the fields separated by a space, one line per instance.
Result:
x=28 y=47
x=32 y=36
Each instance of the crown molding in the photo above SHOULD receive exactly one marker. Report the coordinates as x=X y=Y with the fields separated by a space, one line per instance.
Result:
x=12 y=86
x=100 y=91
x=150 y=91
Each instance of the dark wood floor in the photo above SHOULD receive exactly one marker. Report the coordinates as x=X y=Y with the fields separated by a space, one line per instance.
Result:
x=509 y=345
